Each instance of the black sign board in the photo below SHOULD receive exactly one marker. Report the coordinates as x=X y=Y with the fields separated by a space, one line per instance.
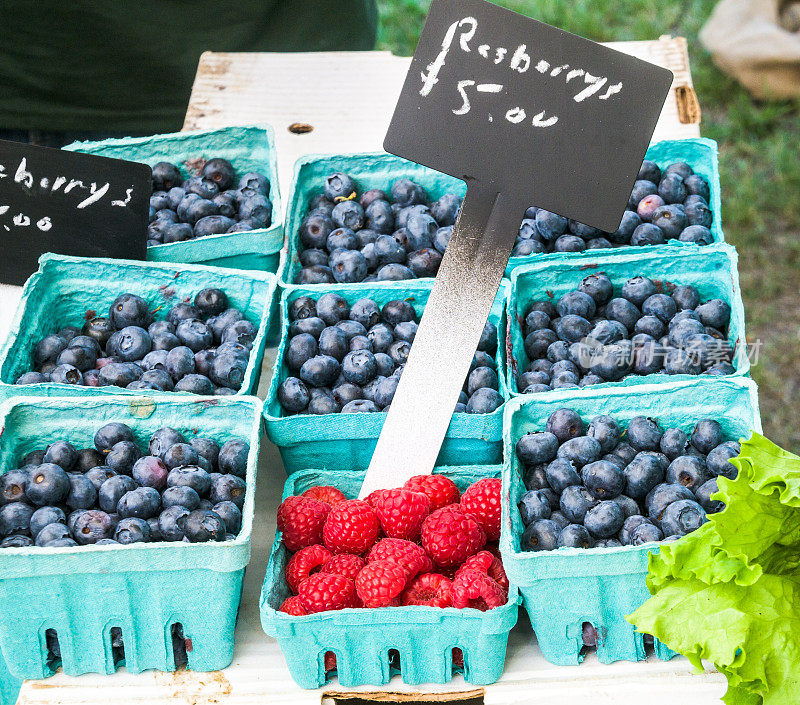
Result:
x=527 y=115
x=70 y=203
x=527 y=107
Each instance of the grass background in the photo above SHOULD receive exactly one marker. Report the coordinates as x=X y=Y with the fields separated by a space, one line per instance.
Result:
x=759 y=164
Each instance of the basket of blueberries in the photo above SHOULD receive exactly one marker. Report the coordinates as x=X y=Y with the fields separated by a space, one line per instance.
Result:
x=112 y=325
x=593 y=481
x=215 y=195
x=339 y=363
x=367 y=218
x=118 y=516
x=675 y=200
x=625 y=318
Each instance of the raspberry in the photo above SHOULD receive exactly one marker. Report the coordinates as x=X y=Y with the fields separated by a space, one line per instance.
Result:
x=407 y=554
x=344 y=564
x=325 y=493
x=401 y=513
x=430 y=589
x=485 y=562
x=372 y=498
x=476 y=590
x=482 y=501
x=381 y=583
x=330 y=661
x=458 y=658
x=351 y=527
x=450 y=536
x=441 y=490
x=301 y=520
x=323 y=591
x=291 y=605
x=306 y=561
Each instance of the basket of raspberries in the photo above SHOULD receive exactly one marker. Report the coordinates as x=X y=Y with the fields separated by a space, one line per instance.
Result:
x=425 y=548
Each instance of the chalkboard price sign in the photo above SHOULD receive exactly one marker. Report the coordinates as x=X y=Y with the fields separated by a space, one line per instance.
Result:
x=70 y=203
x=527 y=115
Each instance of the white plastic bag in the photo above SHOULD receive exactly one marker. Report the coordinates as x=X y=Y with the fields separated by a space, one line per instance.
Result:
x=758 y=43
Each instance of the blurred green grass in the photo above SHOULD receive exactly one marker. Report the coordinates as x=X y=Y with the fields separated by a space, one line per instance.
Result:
x=759 y=164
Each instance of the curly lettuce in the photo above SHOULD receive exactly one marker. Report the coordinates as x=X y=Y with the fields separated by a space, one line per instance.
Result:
x=730 y=591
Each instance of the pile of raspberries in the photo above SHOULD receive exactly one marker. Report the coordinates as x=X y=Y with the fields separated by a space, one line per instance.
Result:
x=422 y=544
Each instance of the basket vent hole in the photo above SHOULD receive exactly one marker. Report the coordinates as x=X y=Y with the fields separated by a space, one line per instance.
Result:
x=53 y=649
x=649 y=645
x=458 y=660
x=330 y=661
x=180 y=645
x=117 y=646
x=590 y=638
x=394 y=661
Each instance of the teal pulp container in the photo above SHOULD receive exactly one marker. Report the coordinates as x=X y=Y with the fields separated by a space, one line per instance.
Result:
x=568 y=587
x=9 y=685
x=699 y=153
x=369 y=170
x=362 y=639
x=347 y=441
x=250 y=148
x=64 y=289
x=712 y=269
x=143 y=589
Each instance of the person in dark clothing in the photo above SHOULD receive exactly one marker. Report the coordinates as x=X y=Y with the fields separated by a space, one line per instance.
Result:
x=87 y=70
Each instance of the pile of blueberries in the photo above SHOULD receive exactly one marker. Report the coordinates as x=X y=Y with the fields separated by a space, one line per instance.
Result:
x=201 y=347
x=668 y=205
x=349 y=359
x=183 y=490
x=374 y=238
x=208 y=204
x=590 y=335
x=599 y=486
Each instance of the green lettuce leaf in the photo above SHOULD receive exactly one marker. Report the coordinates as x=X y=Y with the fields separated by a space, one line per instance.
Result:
x=730 y=591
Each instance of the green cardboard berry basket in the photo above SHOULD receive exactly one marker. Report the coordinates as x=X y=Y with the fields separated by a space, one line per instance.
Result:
x=362 y=639
x=9 y=685
x=369 y=170
x=347 y=441
x=699 y=153
x=143 y=589
x=248 y=148
x=711 y=269
x=64 y=289
x=566 y=588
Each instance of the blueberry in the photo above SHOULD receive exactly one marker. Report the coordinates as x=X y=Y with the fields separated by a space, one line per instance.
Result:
x=92 y=526
x=561 y=473
x=44 y=516
x=542 y=535
x=549 y=225
x=574 y=502
x=408 y=193
x=242 y=332
x=98 y=329
x=660 y=306
x=650 y=171
x=172 y=522
x=132 y=530
x=61 y=453
x=212 y=224
x=698 y=213
x=718 y=460
x=645 y=533
x=605 y=431
x=379 y=217
x=535 y=448
x=603 y=479
x=190 y=476
x=647 y=206
x=204 y=525
x=293 y=395
x=184 y=497
x=52 y=533
x=643 y=433
x=715 y=313
x=535 y=478
x=569 y=243
x=598 y=286
x=630 y=524
x=151 y=471
x=166 y=176
x=348 y=266
x=628 y=505
x=642 y=188
x=698 y=234
x=140 y=503
x=82 y=493
x=642 y=474
x=671 y=220
x=679 y=362
x=48 y=484
x=254 y=182
x=682 y=517
x=576 y=303
x=604 y=519
x=484 y=401
x=661 y=496
x=339 y=186
x=564 y=424
x=15 y=518
x=612 y=362
x=130 y=343
x=233 y=456
x=574 y=536
x=671 y=188
x=129 y=310
x=66 y=374
x=16 y=541
x=12 y=486
x=689 y=471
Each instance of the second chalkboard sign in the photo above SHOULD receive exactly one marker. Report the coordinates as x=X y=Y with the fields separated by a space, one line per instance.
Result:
x=69 y=203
